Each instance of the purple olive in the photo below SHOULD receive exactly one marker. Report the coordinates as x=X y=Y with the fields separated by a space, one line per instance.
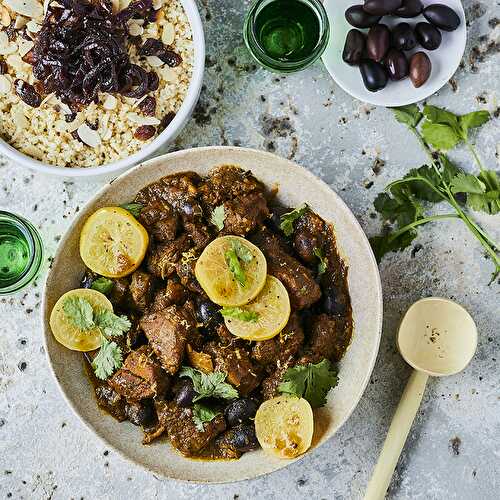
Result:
x=403 y=37
x=378 y=42
x=381 y=7
x=420 y=69
x=358 y=18
x=354 y=47
x=442 y=16
x=428 y=36
x=373 y=74
x=409 y=8
x=396 y=64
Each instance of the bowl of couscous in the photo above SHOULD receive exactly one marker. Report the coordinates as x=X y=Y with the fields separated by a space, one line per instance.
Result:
x=90 y=89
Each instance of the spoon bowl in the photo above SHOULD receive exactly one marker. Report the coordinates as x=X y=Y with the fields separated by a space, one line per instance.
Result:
x=437 y=336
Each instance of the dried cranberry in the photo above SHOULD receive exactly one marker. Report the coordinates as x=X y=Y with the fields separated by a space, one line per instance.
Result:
x=154 y=47
x=171 y=58
x=3 y=67
x=145 y=132
x=167 y=119
x=28 y=93
x=29 y=57
x=39 y=88
x=153 y=81
x=148 y=106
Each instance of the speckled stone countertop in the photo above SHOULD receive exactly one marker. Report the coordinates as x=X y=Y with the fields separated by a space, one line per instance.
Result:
x=453 y=449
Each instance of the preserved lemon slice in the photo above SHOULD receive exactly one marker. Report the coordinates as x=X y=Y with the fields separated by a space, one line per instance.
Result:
x=66 y=332
x=224 y=283
x=284 y=426
x=112 y=242
x=264 y=317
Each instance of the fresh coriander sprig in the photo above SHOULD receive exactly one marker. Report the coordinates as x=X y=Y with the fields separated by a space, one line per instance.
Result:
x=240 y=313
x=218 y=217
x=323 y=262
x=402 y=205
x=209 y=385
x=103 y=285
x=82 y=315
x=134 y=208
x=201 y=414
x=287 y=220
x=236 y=257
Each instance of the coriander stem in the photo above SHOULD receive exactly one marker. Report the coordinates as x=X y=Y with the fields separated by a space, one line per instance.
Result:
x=424 y=145
x=474 y=155
x=418 y=222
x=417 y=178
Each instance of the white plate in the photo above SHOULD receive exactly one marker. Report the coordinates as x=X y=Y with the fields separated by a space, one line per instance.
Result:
x=445 y=59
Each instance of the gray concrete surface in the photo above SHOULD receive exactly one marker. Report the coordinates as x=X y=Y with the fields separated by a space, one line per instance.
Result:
x=453 y=449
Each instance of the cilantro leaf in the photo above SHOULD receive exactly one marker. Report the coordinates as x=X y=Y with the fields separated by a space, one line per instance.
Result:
x=134 y=208
x=103 y=285
x=421 y=189
x=323 y=262
x=287 y=220
x=201 y=414
x=489 y=200
x=467 y=183
x=209 y=385
x=402 y=207
x=441 y=116
x=79 y=312
x=311 y=381
x=440 y=136
x=111 y=324
x=408 y=115
x=218 y=217
x=108 y=359
x=387 y=243
x=239 y=313
x=473 y=120
x=234 y=264
x=242 y=251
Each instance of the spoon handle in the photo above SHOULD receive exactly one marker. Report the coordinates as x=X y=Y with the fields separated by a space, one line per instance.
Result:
x=396 y=436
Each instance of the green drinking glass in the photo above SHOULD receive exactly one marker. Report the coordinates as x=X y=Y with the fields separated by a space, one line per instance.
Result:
x=286 y=35
x=21 y=253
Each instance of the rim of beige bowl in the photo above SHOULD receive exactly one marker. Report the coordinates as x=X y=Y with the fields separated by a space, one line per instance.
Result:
x=168 y=135
x=175 y=154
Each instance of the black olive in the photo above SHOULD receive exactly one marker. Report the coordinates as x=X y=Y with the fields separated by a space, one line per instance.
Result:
x=354 y=47
x=442 y=16
x=420 y=69
x=373 y=74
x=409 y=8
x=87 y=279
x=377 y=42
x=396 y=64
x=358 y=18
x=335 y=301
x=240 y=410
x=207 y=313
x=428 y=36
x=243 y=438
x=403 y=37
x=185 y=393
x=139 y=413
x=381 y=7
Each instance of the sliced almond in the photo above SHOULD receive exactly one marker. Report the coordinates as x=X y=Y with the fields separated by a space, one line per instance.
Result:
x=167 y=37
x=16 y=62
x=79 y=120
x=157 y=4
x=168 y=74
x=135 y=30
x=47 y=99
x=25 y=46
x=5 y=85
x=110 y=102
x=33 y=26
x=115 y=4
x=89 y=136
x=28 y=8
x=18 y=117
x=124 y=4
x=4 y=17
x=143 y=120
x=154 y=61
x=21 y=22
x=4 y=40
x=11 y=48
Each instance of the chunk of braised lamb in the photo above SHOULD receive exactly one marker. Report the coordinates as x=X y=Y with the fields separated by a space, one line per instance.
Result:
x=225 y=183
x=178 y=190
x=269 y=386
x=141 y=289
x=298 y=280
x=160 y=220
x=326 y=340
x=199 y=233
x=309 y=235
x=168 y=331
x=182 y=431
x=162 y=259
x=235 y=361
x=225 y=336
x=236 y=441
x=173 y=293
x=281 y=347
x=109 y=400
x=120 y=292
x=244 y=214
x=185 y=272
x=131 y=339
x=140 y=377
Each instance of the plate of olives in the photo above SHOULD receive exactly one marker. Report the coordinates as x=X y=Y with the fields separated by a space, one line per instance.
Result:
x=394 y=52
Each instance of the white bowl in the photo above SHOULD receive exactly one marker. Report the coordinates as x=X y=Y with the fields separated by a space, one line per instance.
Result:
x=445 y=59
x=167 y=136
x=295 y=186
